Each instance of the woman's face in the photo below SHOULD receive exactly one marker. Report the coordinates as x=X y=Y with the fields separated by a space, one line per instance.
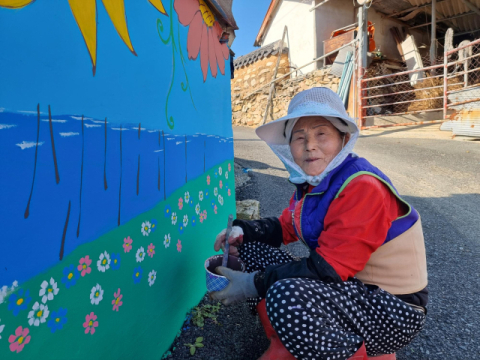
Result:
x=315 y=142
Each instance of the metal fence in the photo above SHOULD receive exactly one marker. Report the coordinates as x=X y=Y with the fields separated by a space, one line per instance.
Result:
x=451 y=84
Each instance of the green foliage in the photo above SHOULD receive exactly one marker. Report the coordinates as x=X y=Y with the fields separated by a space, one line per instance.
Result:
x=197 y=344
x=200 y=313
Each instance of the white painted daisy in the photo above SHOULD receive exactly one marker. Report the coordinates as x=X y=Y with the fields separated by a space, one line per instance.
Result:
x=220 y=199
x=215 y=191
x=48 y=291
x=140 y=256
x=226 y=174
x=146 y=228
x=220 y=170
x=1 y=328
x=187 y=197
x=38 y=315
x=96 y=294
x=200 y=196
x=197 y=209
x=167 y=241
x=185 y=220
x=152 y=276
x=174 y=218
x=104 y=262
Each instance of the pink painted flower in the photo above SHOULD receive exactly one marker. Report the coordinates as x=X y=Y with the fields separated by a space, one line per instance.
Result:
x=205 y=214
x=180 y=203
x=201 y=217
x=84 y=266
x=215 y=209
x=208 y=180
x=229 y=192
x=151 y=250
x=179 y=246
x=127 y=244
x=229 y=167
x=221 y=184
x=204 y=35
x=90 y=323
x=116 y=302
x=19 y=340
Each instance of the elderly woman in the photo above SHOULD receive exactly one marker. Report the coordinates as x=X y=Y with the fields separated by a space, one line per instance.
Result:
x=363 y=287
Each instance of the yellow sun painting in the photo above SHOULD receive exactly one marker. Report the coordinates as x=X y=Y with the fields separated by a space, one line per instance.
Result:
x=85 y=13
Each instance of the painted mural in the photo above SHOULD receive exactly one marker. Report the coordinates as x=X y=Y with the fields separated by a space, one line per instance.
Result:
x=116 y=172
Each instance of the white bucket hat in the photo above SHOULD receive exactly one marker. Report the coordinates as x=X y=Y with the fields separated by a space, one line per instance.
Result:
x=318 y=101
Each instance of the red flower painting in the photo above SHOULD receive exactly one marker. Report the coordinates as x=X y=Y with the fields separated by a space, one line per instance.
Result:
x=203 y=35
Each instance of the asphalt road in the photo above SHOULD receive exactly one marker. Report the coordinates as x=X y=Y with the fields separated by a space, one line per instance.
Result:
x=440 y=177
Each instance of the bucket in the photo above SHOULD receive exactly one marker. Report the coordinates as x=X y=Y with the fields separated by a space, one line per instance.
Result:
x=216 y=282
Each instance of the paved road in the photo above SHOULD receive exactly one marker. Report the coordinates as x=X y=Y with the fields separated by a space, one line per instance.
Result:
x=440 y=177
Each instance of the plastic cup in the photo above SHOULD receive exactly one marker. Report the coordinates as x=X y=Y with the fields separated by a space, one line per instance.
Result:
x=216 y=282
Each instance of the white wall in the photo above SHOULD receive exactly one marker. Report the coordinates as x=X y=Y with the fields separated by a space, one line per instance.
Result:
x=300 y=33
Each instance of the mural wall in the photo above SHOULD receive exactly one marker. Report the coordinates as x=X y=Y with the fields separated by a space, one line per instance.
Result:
x=116 y=163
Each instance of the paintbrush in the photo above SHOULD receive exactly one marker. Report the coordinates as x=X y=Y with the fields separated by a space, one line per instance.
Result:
x=227 y=244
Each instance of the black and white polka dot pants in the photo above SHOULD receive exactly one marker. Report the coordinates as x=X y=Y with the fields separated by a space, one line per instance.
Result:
x=317 y=320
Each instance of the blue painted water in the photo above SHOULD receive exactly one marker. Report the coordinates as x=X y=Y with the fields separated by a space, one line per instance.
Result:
x=31 y=245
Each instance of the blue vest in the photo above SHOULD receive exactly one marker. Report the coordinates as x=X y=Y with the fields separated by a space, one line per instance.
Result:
x=316 y=203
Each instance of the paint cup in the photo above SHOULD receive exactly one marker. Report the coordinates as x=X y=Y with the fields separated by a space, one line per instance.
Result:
x=216 y=282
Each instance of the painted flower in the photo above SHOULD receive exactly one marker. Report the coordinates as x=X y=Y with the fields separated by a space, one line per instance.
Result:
x=137 y=274
x=90 y=323
x=103 y=263
x=19 y=301
x=127 y=244
x=140 y=256
x=84 y=266
x=151 y=250
x=153 y=225
x=208 y=179
x=146 y=228
x=179 y=246
x=220 y=199
x=215 y=209
x=96 y=294
x=191 y=202
x=167 y=211
x=221 y=184
x=193 y=220
x=117 y=301
x=185 y=220
x=206 y=194
x=115 y=263
x=1 y=330
x=229 y=192
x=197 y=209
x=152 y=276
x=38 y=315
x=204 y=214
x=174 y=218
x=180 y=203
x=213 y=204
x=215 y=191
x=200 y=196
x=229 y=167
x=226 y=174
x=57 y=320
x=187 y=197
x=220 y=170
x=201 y=218
x=19 y=340
x=181 y=228
x=216 y=174
x=48 y=291
x=167 y=241
x=204 y=35
x=70 y=276
x=226 y=185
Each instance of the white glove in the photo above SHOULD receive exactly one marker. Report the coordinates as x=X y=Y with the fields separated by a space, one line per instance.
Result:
x=241 y=286
x=235 y=240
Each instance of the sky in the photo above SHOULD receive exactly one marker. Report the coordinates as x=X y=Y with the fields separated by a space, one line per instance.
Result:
x=249 y=15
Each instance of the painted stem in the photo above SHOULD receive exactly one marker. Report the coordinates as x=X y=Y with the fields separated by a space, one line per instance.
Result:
x=186 y=160
x=138 y=175
x=65 y=227
x=81 y=181
x=158 y=181
x=27 y=210
x=57 y=176
x=204 y=150
x=164 y=167
x=105 y=185
x=120 y=190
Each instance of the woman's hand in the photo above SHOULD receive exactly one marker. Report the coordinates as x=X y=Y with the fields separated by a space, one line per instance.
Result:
x=235 y=240
x=241 y=286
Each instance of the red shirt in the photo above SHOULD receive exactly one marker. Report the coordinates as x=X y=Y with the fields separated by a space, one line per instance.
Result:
x=355 y=225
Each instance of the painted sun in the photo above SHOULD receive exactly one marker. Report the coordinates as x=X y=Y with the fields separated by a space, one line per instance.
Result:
x=85 y=13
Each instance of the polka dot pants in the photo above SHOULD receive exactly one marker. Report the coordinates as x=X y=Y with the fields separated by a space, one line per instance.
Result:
x=317 y=320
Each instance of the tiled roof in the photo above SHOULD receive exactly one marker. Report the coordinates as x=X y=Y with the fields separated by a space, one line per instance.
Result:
x=259 y=54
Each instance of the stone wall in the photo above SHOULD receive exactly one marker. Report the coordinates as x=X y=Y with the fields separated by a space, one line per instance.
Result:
x=249 y=111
